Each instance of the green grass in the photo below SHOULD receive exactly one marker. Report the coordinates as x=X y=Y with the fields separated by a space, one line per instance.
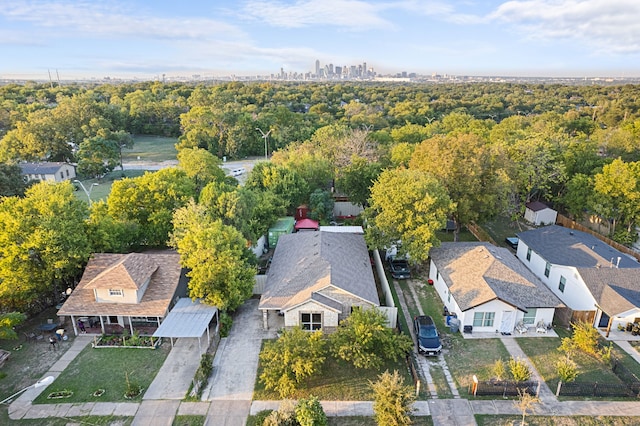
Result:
x=487 y=420
x=464 y=235
x=151 y=148
x=103 y=189
x=189 y=420
x=53 y=421
x=358 y=421
x=503 y=227
x=105 y=369
x=337 y=381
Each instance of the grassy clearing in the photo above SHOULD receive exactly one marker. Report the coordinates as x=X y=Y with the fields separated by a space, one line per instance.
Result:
x=464 y=235
x=29 y=361
x=103 y=189
x=503 y=227
x=337 y=381
x=486 y=420
x=95 y=369
x=189 y=420
x=440 y=381
x=151 y=148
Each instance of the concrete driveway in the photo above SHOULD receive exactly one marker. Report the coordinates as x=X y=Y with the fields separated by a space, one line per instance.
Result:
x=230 y=388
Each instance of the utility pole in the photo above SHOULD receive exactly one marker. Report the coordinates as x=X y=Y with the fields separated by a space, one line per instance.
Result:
x=264 y=136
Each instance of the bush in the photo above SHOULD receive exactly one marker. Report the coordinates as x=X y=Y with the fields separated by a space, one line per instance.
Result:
x=225 y=323
x=584 y=339
x=499 y=369
x=309 y=412
x=392 y=400
x=285 y=416
x=519 y=370
x=567 y=369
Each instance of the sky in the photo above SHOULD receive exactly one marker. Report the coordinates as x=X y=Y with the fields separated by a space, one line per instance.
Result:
x=214 y=38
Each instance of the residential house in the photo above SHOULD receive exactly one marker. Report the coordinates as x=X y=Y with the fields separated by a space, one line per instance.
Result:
x=488 y=288
x=316 y=278
x=598 y=282
x=125 y=290
x=49 y=171
x=539 y=213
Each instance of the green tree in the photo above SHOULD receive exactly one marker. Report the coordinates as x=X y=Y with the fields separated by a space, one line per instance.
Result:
x=471 y=172
x=97 y=156
x=11 y=181
x=8 y=322
x=107 y=234
x=410 y=206
x=201 y=166
x=364 y=340
x=356 y=179
x=217 y=258
x=617 y=193
x=286 y=183
x=288 y=361
x=321 y=205
x=149 y=201
x=392 y=400
x=44 y=245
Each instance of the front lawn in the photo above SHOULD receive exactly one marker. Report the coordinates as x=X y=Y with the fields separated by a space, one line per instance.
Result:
x=337 y=381
x=96 y=369
x=486 y=420
x=150 y=148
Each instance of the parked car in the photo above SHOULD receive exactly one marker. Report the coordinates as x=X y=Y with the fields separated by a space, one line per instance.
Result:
x=399 y=269
x=427 y=335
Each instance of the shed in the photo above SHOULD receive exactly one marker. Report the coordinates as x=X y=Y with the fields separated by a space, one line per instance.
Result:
x=284 y=225
x=302 y=212
x=539 y=213
x=307 y=225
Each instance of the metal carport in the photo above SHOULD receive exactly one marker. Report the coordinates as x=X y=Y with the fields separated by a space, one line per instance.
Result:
x=188 y=318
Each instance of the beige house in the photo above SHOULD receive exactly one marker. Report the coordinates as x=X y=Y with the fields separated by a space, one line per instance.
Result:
x=316 y=278
x=49 y=171
x=126 y=290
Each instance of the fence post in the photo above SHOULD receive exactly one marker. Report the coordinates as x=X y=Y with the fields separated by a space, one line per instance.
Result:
x=558 y=388
x=417 y=388
x=595 y=388
x=474 y=387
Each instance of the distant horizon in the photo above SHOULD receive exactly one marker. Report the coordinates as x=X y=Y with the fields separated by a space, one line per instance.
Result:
x=133 y=39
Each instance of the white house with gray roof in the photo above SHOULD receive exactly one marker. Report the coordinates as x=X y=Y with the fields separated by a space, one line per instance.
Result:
x=489 y=288
x=49 y=171
x=316 y=278
x=584 y=272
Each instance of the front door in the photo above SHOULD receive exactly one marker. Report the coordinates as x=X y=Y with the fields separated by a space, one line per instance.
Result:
x=507 y=323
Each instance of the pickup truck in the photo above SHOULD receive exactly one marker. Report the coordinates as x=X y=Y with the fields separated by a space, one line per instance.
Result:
x=399 y=269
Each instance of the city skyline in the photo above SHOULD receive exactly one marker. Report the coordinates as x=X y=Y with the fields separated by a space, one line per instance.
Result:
x=137 y=39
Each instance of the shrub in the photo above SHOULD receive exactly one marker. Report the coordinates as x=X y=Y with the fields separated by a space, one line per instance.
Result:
x=309 y=412
x=295 y=356
x=392 y=400
x=261 y=417
x=605 y=354
x=584 y=339
x=284 y=416
x=499 y=369
x=519 y=370
x=225 y=323
x=567 y=369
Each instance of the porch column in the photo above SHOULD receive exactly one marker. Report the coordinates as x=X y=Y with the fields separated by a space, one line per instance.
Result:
x=102 y=324
x=130 y=325
x=73 y=323
x=265 y=320
x=609 y=326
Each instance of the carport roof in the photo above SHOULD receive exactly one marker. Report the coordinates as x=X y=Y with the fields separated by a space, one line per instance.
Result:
x=187 y=319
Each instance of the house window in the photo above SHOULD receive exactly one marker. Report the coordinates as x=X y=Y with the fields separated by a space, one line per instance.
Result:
x=116 y=292
x=547 y=269
x=310 y=321
x=529 y=254
x=563 y=281
x=437 y=275
x=530 y=317
x=449 y=297
x=67 y=172
x=61 y=175
x=483 y=319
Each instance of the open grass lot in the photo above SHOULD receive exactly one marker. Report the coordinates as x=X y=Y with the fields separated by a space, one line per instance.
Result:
x=357 y=421
x=95 y=369
x=337 y=381
x=103 y=188
x=503 y=227
x=544 y=355
x=486 y=420
x=151 y=148
x=29 y=361
x=464 y=235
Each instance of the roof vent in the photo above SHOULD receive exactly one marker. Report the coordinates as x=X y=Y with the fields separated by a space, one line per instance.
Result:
x=570 y=232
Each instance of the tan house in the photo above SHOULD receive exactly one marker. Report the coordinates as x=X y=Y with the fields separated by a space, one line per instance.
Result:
x=126 y=290
x=49 y=171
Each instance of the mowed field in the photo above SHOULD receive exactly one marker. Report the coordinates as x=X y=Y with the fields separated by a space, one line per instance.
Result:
x=151 y=148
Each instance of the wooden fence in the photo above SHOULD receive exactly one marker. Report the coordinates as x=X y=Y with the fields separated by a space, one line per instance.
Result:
x=503 y=387
x=480 y=233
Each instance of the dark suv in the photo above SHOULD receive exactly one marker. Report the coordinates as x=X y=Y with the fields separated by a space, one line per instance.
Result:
x=427 y=335
x=399 y=268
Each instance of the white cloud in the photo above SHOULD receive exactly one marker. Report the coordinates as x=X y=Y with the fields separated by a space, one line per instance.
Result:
x=350 y=14
x=95 y=19
x=607 y=26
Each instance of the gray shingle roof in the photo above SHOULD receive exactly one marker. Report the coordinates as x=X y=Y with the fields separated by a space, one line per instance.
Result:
x=307 y=262
x=46 y=168
x=477 y=273
x=615 y=290
x=563 y=246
